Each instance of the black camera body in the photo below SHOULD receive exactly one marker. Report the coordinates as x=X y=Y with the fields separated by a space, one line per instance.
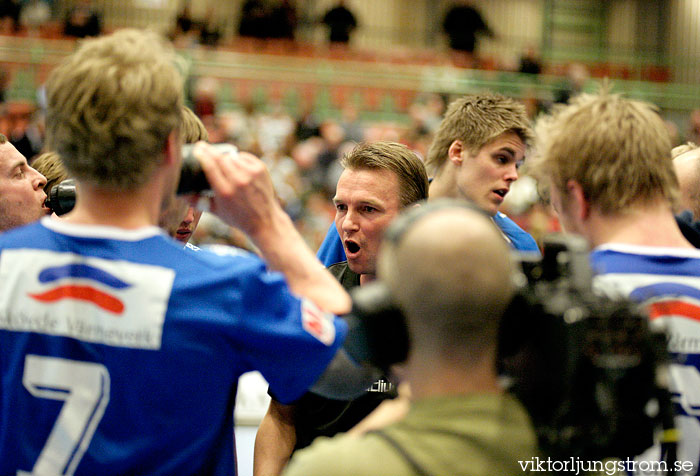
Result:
x=589 y=369
x=61 y=198
x=192 y=177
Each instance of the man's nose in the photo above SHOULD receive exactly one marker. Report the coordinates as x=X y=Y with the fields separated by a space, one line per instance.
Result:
x=512 y=173
x=39 y=181
x=189 y=217
x=350 y=221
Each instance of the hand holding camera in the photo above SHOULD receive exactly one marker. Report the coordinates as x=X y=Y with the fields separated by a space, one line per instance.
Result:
x=243 y=194
x=237 y=186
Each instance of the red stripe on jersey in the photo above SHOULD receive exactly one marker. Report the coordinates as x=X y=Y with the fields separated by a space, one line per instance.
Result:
x=83 y=293
x=674 y=308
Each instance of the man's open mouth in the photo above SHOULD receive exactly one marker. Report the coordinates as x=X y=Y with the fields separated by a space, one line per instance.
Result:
x=501 y=192
x=352 y=247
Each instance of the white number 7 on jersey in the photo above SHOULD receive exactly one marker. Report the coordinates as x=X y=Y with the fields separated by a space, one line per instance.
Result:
x=85 y=388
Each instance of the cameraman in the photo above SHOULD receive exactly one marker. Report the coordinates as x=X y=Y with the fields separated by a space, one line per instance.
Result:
x=120 y=351
x=446 y=267
x=607 y=164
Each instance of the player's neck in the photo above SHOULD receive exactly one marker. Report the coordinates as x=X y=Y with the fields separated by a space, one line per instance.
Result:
x=650 y=225
x=133 y=210
x=443 y=184
x=434 y=377
x=367 y=278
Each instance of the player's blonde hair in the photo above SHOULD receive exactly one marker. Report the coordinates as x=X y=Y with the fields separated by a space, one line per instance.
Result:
x=112 y=105
x=476 y=120
x=50 y=165
x=191 y=127
x=396 y=158
x=617 y=149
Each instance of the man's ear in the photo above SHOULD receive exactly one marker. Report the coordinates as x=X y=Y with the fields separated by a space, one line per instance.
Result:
x=454 y=153
x=581 y=204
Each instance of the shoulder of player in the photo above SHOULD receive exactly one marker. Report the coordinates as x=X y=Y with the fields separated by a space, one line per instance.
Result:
x=347 y=455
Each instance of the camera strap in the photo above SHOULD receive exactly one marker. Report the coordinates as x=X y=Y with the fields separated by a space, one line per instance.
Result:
x=419 y=470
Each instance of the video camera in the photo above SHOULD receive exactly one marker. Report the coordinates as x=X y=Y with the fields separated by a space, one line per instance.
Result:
x=61 y=198
x=589 y=369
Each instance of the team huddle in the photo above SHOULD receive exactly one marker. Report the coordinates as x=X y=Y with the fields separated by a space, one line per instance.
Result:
x=121 y=346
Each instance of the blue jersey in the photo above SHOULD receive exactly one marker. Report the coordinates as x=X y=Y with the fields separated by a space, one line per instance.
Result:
x=120 y=351
x=331 y=250
x=667 y=281
x=518 y=238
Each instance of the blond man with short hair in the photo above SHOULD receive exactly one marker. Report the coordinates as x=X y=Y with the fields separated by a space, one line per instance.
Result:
x=121 y=351
x=607 y=163
x=378 y=181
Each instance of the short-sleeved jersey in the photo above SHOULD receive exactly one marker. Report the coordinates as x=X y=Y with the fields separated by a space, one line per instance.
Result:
x=120 y=351
x=331 y=250
x=667 y=281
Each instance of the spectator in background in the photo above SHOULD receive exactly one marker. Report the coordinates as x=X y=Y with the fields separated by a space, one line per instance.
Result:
x=4 y=81
x=82 y=20
x=283 y=21
x=462 y=24
x=204 y=97
x=35 y=14
x=9 y=16
x=184 y=22
x=307 y=125
x=340 y=22
x=694 y=127
x=333 y=136
x=530 y=62
x=576 y=76
x=209 y=29
x=253 y=22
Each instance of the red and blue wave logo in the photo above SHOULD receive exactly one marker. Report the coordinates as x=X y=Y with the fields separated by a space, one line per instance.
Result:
x=82 y=292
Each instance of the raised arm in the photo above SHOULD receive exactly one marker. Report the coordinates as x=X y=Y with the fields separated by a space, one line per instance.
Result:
x=245 y=198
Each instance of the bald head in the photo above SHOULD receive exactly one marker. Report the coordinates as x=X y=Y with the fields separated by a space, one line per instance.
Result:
x=687 y=167
x=451 y=275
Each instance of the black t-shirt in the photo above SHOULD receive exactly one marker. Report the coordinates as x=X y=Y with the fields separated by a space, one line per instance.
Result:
x=340 y=22
x=318 y=416
x=461 y=25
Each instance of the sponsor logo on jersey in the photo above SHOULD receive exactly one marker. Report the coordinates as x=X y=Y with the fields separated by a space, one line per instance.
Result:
x=92 y=299
x=317 y=323
x=88 y=293
x=669 y=299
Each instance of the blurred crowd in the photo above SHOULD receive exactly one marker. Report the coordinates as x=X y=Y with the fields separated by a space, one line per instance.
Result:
x=301 y=148
x=302 y=151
